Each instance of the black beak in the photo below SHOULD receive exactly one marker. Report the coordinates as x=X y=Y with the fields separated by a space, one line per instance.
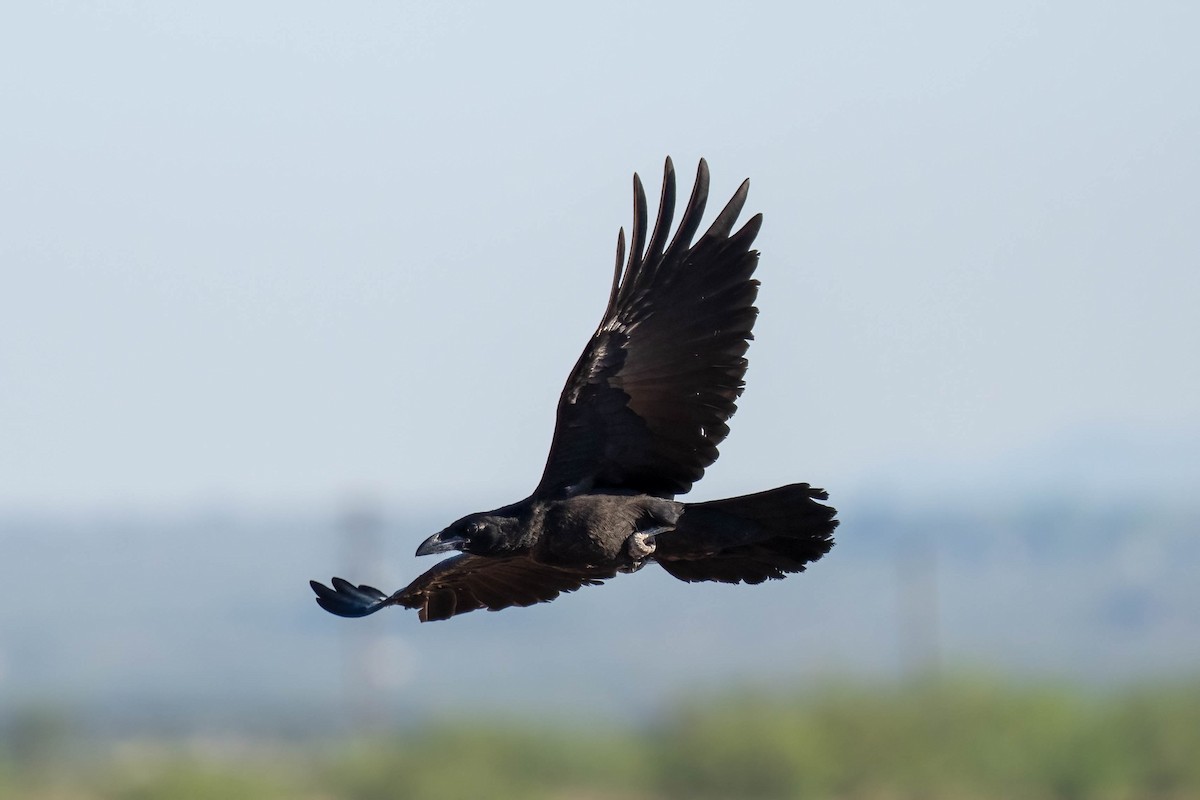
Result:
x=441 y=542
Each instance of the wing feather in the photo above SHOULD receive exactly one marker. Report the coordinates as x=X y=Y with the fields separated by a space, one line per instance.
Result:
x=468 y=582
x=647 y=403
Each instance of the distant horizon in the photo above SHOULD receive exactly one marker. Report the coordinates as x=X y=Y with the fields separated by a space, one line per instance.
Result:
x=214 y=610
x=1149 y=462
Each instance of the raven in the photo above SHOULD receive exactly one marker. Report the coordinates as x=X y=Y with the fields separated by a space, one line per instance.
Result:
x=639 y=420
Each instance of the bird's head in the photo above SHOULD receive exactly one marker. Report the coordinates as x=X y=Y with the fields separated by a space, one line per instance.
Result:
x=481 y=534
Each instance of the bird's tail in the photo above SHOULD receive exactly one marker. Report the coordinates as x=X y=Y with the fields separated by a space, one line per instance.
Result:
x=749 y=538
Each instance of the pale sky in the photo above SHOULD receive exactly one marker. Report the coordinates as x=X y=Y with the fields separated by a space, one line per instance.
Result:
x=274 y=252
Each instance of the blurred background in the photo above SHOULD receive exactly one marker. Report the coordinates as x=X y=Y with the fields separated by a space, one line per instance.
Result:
x=286 y=287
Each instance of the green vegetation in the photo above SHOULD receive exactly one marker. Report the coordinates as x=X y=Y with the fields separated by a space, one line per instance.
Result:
x=967 y=740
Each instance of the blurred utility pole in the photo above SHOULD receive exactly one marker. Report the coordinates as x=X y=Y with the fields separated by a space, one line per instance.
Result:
x=918 y=618
x=360 y=527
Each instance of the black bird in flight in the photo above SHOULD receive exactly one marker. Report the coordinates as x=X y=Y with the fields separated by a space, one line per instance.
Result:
x=638 y=422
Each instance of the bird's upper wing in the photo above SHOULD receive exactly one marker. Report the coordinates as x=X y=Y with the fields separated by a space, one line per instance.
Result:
x=647 y=403
x=469 y=582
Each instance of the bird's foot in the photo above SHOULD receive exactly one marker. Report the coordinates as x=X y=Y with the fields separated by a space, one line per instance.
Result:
x=640 y=545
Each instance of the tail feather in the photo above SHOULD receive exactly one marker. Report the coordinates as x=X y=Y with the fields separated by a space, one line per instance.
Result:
x=750 y=538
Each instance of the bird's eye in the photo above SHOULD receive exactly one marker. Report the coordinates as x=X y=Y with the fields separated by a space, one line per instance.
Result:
x=474 y=528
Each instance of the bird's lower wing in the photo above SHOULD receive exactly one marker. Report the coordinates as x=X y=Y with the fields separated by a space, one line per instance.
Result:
x=467 y=582
x=461 y=584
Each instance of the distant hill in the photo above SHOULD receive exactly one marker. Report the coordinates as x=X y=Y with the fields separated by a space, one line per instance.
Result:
x=206 y=619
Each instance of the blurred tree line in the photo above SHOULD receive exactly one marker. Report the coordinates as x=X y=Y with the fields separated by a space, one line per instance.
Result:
x=962 y=739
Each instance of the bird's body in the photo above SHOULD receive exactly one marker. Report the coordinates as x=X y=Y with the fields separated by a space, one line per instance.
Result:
x=610 y=531
x=639 y=420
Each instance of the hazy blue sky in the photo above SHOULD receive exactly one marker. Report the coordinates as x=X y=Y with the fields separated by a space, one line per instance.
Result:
x=276 y=252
